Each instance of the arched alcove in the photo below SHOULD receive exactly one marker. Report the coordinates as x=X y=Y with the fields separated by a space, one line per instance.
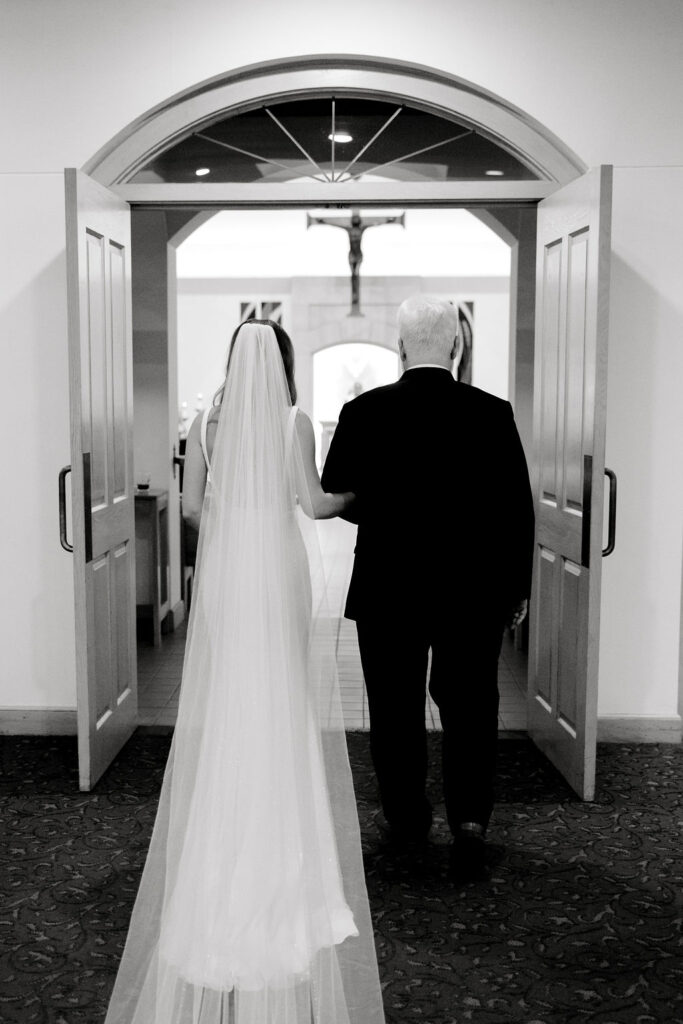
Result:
x=342 y=371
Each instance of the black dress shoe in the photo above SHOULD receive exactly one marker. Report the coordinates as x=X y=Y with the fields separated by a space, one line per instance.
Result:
x=400 y=837
x=468 y=855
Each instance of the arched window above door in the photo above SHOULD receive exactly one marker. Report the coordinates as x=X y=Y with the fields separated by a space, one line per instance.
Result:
x=334 y=139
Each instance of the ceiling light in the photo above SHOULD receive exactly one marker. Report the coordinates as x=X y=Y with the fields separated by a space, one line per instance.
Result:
x=202 y=171
x=495 y=174
x=340 y=137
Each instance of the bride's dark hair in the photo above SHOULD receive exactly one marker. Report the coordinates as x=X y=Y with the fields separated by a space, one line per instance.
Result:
x=286 y=351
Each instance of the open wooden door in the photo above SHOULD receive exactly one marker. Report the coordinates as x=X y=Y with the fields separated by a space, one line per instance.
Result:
x=570 y=380
x=101 y=389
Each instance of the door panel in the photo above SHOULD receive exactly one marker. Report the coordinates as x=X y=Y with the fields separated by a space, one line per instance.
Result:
x=575 y=396
x=569 y=427
x=94 y=367
x=542 y=626
x=567 y=668
x=102 y=623
x=100 y=353
x=121 y=400
x=550 y=313
x=124 y=639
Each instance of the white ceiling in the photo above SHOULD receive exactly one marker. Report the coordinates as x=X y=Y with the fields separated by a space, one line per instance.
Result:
x=276 y=243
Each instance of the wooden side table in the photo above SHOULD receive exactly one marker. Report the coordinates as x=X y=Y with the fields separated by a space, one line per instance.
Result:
x=152 y=563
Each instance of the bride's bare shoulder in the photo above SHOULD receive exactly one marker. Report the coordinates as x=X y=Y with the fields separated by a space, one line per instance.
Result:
x=305 y=433
x=195 y=428
x=195 y=432
x=304 y=426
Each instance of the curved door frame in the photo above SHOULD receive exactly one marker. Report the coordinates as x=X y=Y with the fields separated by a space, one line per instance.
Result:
x=245 y=88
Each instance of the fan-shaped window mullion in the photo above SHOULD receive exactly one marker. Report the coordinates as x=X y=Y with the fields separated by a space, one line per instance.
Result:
x=409 y=156
x=367 y=145
x=298 y=145
x=246 y=152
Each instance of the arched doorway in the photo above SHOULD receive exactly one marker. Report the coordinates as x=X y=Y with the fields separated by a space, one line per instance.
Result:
x=534 y=165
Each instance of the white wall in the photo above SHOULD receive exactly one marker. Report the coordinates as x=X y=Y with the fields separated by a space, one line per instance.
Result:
x=605 y=78
x=37 y=597
x=492 y=336
x=641 y=580
x=266 y=244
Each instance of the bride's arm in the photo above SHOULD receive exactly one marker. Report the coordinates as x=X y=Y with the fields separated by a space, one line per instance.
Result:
x=316 y=503
x=194 y=475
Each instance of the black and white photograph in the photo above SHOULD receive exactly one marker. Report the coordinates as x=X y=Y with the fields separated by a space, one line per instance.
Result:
x=342 y=520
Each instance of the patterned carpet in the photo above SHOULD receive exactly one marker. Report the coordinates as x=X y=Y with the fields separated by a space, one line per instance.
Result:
x=581 y=920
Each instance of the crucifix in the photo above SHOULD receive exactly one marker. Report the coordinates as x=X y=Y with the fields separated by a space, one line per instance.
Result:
x=355 y=225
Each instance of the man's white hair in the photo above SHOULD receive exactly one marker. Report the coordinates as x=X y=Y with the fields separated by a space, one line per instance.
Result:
x=427 y=324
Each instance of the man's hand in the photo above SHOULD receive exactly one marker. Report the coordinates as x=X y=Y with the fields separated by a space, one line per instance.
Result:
x=518 y=614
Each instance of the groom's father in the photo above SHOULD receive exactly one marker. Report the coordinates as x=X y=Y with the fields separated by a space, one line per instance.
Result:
x=443 y=561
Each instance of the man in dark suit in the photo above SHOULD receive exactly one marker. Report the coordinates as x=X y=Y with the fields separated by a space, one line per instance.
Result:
x=442 y=561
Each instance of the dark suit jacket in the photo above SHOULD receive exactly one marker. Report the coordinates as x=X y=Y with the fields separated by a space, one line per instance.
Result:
x=444 y=507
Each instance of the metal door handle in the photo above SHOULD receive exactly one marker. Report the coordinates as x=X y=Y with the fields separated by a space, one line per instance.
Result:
x=62 y=509
x=612 y=512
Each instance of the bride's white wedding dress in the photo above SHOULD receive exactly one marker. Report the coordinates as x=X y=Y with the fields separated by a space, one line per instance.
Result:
x=252 y=907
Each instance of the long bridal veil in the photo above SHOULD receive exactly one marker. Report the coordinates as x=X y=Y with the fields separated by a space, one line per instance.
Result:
x=252 y=907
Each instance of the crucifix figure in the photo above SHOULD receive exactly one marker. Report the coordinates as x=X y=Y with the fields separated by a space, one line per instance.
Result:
x=355 y=225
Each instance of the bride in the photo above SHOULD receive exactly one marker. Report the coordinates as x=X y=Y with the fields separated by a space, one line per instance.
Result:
x=252 y=907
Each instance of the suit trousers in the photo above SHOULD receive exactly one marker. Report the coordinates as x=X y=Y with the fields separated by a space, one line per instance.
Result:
x=463 y=682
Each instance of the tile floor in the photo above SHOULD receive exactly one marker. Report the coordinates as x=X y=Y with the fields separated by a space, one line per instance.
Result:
x=160 y=669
